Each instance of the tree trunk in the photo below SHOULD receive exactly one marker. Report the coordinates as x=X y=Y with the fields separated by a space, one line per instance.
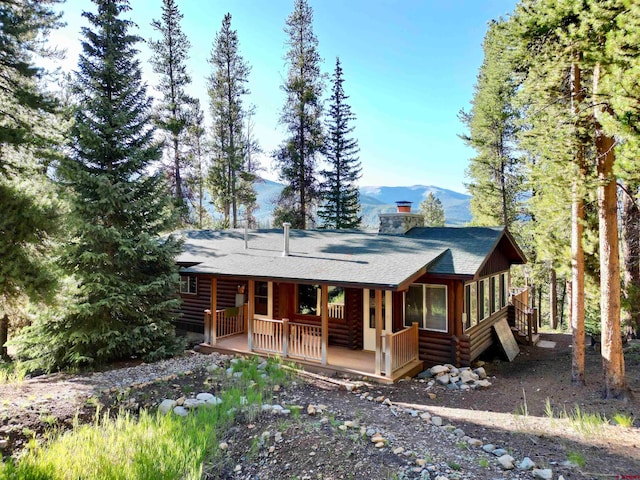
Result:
x=563 y=299
x=576 y=308
x=553 y=299
x=569 y=289
x=611 y=341
x=4 y=336
x=631 y=258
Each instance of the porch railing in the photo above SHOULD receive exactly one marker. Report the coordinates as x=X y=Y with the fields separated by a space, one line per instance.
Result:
x=226 y=322
x=336 y=310
x=267 y=336
x=304 y=341
x=524 y=316
x=400 y=348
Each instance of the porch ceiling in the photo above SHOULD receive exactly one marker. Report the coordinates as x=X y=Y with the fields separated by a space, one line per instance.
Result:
x=340 y=258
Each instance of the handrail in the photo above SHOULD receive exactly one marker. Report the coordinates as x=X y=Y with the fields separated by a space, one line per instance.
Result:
x=336 y=310
x=304 y=340
x=400 y=348
x=267 y=336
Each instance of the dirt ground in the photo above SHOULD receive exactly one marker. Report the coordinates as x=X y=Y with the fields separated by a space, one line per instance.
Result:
x=513 y=413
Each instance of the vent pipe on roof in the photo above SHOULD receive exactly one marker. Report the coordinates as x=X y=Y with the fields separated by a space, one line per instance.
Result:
x=285 y=252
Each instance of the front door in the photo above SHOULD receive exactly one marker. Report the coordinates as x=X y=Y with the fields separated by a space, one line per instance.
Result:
x=369 y=321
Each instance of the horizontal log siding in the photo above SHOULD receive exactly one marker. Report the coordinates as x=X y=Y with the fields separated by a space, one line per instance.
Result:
x=436 y=348
x=481 y=336
x=193 y=306
x=227 y=290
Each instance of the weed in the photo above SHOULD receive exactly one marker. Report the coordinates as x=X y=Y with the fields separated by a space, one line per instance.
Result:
x=586 y=423
x=623 y=419
x=462 y=445
x=11 y=372
x=548 y=409
x=576 y=458
x=484 y=463
x=454 y=466
x=49 y=420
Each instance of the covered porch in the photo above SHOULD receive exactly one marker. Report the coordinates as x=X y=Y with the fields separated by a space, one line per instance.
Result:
x=239 y=330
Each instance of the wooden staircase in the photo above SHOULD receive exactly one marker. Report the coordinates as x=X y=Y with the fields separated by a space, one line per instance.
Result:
x=522 y=319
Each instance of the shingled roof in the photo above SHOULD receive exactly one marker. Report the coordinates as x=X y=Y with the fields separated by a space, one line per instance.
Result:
x=338 y=257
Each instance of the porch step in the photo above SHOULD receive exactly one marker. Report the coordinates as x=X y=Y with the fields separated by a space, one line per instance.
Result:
x=521 y=338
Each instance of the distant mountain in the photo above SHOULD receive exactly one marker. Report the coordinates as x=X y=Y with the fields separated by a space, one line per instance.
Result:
x=376 y=200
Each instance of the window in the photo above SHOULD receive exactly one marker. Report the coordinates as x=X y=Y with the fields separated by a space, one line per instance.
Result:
x=372 y=310
x=484 y=299
x=471 y=304
x=495 y=294
x=427 y=306
x=261 y=298
x=309 y=299
x=504 y=289
x=189 y=284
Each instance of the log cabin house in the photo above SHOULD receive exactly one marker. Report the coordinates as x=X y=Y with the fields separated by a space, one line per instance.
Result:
x=380 y=305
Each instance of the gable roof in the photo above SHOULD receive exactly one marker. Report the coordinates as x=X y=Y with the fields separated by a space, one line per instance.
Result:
x=339 y=257
x=469 y=247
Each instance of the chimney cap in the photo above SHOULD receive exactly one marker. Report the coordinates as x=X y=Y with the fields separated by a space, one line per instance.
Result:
x=404 y=206
x=404 y=202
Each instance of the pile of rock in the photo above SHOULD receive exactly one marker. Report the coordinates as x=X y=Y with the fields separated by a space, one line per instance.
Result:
x=183 y=405
x=464 y=378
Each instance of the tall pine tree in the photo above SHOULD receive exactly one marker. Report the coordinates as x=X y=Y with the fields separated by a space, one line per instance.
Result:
x=30 y=133
x=125 y=271
x=340 y=206
x=227 y=87
x=301 y=115
x=170 y=55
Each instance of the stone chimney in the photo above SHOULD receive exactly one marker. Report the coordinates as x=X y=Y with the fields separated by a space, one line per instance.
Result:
x=401 y=221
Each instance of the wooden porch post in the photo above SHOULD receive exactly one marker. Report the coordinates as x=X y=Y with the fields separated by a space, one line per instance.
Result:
x=379 y=320
x=324 y=293
x=250 y=310
x=214 y=307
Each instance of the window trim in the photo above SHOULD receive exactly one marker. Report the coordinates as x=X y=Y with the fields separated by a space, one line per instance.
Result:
x=472 y=322
x=269 y=314
x=423 y=324
x=191 y=279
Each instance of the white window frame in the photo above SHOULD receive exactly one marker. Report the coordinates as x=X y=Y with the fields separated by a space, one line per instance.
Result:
x=467 y=305
x=191 y=280
x=422 y=325
x=482 y=299
x=269 y=314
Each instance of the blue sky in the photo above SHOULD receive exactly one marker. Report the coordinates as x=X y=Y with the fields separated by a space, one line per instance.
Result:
x=409 y=68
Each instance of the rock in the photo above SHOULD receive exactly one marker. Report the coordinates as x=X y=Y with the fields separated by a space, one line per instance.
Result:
x=180 y=401
x=453 y=370
x=371 y=432
x=431 y=396
x=311 y=410
x=266 y=434
x=272 y=449
x=398 y=450
x=437 y=421
x=277 y=437
x=543 y=473
x=421 y=462
x=267 y=407
x=458 y=432
x=441 y=477
x=498 y=452
x=439 y=369
x=464 y=387
x=386 y=402
x=3 y=443
x=277 y=408
x=425 y=416
x=229 y=371
x=506 y=462
x=238 y=468
x=479 y=363
x=343 y=427
x=205 y=397
x=379 y=399
x=223 y=445
x=377 y=438
x=482 y=383
x=285 y=411
x=379 y=444
x=192 y=403
x=443 y=379
x=474 y=442
x=237 y=375
x=180 y=411
x=467 y=376
x=482 y=374
x=489 y=447
x=413 y=413
x=453 y=386
x=425 y=374
x=276 y=388
x=213 y=368
x=166 y=406
x=526 y=464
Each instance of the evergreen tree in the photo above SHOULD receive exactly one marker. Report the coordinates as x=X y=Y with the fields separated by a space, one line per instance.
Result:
x=433 y=211
x=340 y=194
x=170 y=55
x=247 y=195
x=496 y=172
x=227 y=87
x=125 y=271
x=197 y=158
x=29 y=135
x=301 y=115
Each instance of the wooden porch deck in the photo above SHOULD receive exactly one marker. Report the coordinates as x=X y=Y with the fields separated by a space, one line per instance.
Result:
x=339 y=360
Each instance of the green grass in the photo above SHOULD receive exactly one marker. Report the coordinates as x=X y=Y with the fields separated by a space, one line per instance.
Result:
x=623 y=419
x=11 y=372
x=150 y=446
x=586 y=423
x=576 y=458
